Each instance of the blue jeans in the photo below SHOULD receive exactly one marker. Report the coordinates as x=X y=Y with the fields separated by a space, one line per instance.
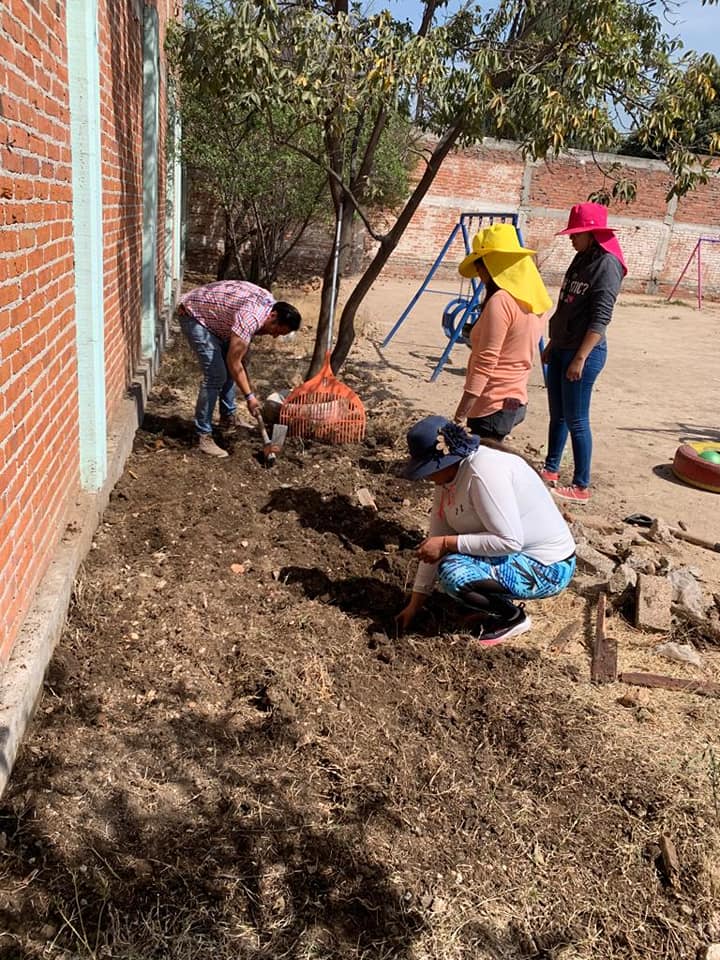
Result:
x=211 y=352
x=569 y=402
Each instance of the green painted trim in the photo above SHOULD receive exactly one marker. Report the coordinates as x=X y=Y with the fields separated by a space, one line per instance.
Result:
x=151 y=129
x=178 y=206
x=172 y=148
x=84 y=89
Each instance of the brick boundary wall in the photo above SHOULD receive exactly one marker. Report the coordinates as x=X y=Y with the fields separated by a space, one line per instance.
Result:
x=658 y=236
x=38 y=385
x=39 y=412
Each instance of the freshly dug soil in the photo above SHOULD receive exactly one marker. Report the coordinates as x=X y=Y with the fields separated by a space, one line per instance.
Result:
x=236 y=757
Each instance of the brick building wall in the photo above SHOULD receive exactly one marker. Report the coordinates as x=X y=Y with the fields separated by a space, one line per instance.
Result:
x=121 y=99
x=38 y=388
x=39 y=405
x=658 y=236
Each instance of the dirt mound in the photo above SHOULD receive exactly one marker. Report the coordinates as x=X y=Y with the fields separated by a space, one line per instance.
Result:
x=236 y=757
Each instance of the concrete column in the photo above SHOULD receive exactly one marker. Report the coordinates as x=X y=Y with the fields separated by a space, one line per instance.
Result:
x=525 y=209
x=173 y=206
x=84 y=92
x=661 y=252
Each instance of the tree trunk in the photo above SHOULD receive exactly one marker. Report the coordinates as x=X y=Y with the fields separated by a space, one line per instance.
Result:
x=321 y=335
x=346 y=331
x=227 y=257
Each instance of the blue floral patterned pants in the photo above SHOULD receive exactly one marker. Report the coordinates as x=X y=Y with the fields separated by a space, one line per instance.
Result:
x=518 y=575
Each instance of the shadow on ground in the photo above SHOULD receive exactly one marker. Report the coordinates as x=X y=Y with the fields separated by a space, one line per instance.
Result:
x=252 y=871
x=338 y=515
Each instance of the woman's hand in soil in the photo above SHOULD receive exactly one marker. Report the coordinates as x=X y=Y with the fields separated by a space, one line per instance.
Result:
x=407 y=614
x=575 y=368
x=405 y=618
x=432 y=549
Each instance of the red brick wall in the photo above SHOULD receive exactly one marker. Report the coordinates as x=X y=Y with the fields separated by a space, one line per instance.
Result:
x=121 y=102
x=39 y=457
x=657 y=236
x=38 y=389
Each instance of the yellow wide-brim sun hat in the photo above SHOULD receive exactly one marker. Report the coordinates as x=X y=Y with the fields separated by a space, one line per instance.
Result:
x=509 y=264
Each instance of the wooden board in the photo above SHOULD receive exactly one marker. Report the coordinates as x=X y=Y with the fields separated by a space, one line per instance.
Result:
x=604 y=656
x=704 y=688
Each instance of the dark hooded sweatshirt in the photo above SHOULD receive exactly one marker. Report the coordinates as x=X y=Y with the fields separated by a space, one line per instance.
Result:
x=587 y=298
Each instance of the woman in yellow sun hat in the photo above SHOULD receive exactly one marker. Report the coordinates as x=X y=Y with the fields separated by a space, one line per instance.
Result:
x=504 y=339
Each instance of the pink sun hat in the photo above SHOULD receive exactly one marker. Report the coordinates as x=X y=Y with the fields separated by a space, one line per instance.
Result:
x=592 y=218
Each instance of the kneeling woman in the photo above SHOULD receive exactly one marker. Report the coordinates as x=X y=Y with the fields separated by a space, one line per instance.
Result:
x=495 y=532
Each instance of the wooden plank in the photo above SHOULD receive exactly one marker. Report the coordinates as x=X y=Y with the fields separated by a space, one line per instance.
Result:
x=698 y=541
x=604 y=656
x=704 y=688
x=670 y=860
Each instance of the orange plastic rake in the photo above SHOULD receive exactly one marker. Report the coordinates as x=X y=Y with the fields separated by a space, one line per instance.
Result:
x=323 y=408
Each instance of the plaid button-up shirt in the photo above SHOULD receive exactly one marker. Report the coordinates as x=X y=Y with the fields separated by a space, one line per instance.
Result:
x=230 y=306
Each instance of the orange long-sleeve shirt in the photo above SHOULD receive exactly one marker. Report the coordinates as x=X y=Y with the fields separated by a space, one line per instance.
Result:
x=504 y=343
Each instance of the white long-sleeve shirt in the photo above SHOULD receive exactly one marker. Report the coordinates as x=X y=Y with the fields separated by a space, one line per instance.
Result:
x=498 y=505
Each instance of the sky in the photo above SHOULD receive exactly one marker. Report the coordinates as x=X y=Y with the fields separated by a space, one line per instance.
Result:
x=697 y=26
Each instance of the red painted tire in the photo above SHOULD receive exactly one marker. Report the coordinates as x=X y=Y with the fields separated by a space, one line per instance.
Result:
x=690 y=467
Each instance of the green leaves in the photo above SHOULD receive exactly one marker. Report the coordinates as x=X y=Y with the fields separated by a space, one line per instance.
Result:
x=341 y=88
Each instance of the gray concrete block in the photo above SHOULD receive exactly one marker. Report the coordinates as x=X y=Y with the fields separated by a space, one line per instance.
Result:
x=653 y=601
x=590 y=560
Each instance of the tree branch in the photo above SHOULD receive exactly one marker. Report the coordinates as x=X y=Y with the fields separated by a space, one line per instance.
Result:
x=369 y=155
x=337 y=180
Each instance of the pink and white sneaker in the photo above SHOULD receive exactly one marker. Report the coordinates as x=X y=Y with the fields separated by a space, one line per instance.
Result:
x=489 y=636
x=572 y=493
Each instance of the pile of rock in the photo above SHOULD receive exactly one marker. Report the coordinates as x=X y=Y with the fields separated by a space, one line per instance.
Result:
x=644 y=572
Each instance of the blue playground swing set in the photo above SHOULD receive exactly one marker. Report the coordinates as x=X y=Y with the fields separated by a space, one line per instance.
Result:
x=462 y=311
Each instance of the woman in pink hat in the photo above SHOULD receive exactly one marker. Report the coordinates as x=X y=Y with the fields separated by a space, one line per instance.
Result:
x=577 y=349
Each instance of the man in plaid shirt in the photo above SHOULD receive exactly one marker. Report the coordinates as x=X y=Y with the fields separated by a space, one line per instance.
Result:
x=219 y=321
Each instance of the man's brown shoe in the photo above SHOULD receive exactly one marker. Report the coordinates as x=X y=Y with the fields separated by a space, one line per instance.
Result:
x=207 y=445
x=228 y=422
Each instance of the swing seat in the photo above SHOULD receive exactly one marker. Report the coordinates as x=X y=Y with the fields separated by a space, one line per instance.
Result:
x=456 y=312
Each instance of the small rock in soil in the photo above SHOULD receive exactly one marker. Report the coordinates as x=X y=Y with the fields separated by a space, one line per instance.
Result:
x=680 y=652
x=687 y=591
x=622 y=578
x=659 y=532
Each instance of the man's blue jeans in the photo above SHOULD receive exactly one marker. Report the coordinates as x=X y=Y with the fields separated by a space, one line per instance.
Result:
x=211 y=352
x=569 y=402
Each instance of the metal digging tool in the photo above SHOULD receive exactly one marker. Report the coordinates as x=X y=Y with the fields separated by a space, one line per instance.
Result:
x=323 y=408
x=271 y=445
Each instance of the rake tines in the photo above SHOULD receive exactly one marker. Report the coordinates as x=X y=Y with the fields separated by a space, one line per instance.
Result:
x=323 y=408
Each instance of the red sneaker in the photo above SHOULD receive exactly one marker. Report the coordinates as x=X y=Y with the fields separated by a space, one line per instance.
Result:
x=550 y=477
x=573 y=493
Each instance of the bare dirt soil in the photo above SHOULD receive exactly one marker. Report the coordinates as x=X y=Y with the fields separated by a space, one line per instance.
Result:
x=235 y=756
